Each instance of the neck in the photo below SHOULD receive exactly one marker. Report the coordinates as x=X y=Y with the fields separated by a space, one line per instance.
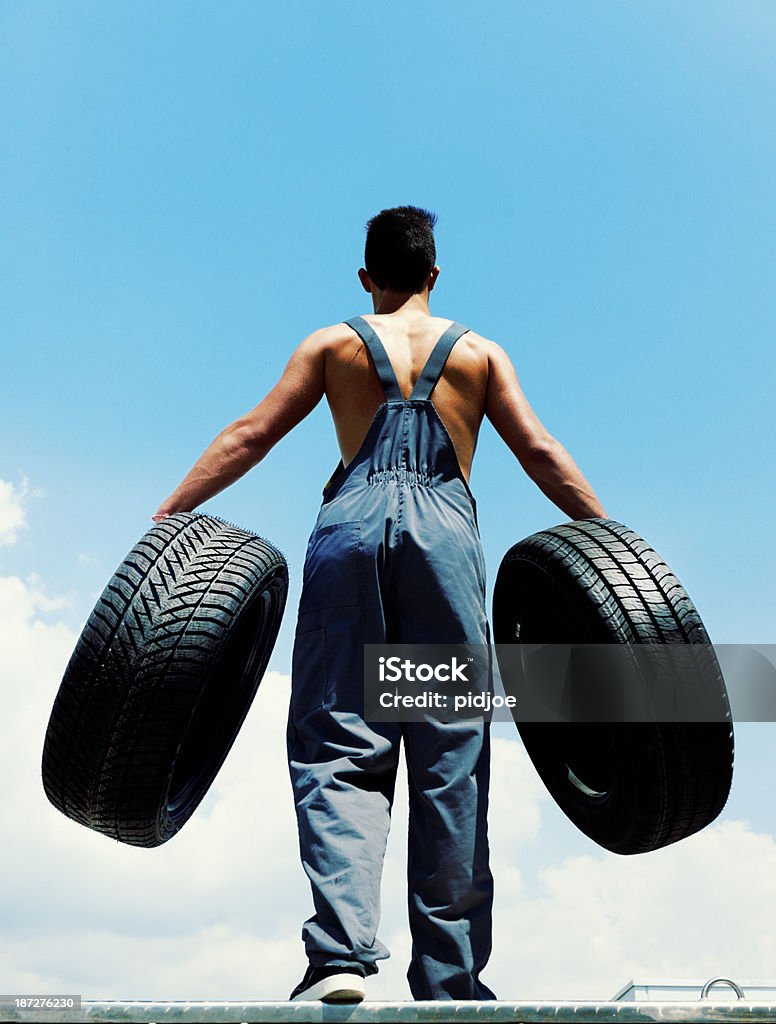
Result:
x=395 y=302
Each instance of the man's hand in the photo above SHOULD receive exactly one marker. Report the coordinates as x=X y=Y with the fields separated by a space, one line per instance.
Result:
x=245 y=442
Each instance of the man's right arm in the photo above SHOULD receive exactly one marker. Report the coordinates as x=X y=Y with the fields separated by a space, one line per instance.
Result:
x=541 y=455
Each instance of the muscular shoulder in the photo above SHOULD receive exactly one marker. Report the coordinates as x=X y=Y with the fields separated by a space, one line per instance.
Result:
x=476 y=349
x=324 y=338
x=475 y=341
x=471 y=349
x=330 y=340
x=497 y=362
x=490 y=350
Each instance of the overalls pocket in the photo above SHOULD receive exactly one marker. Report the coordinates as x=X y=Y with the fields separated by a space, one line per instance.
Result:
x=330 y=582
x=331 y=567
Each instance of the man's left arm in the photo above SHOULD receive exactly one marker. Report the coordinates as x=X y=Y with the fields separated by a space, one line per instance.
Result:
x=244 y=443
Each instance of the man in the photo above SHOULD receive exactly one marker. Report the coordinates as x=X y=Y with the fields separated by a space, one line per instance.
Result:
x=395 y=557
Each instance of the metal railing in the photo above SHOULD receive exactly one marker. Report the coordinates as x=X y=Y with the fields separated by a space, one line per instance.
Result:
x=495 y=1012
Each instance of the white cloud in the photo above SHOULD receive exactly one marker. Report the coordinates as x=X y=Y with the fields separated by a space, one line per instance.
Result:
x=13 y=514
x=216 y=913
x=697 y=909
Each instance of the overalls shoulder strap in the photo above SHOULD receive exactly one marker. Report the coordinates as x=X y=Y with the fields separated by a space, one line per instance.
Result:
x=379 y=358
x=435 y=363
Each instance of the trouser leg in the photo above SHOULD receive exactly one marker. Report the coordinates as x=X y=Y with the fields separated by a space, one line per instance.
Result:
x=450 y=883
x=344 y=791
x=343 y=770
x=449 y=880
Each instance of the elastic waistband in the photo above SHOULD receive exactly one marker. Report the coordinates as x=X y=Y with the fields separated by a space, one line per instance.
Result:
x=395 y=473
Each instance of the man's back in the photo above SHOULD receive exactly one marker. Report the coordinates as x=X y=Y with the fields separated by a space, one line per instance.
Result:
x=354 y=392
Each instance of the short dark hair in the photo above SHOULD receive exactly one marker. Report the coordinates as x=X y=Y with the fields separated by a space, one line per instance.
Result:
x=400 y=252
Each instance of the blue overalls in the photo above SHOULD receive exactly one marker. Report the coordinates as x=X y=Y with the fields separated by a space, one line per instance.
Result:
x=395 y=557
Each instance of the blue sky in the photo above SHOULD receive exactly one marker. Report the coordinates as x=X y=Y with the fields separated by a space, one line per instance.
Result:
x=185 y=188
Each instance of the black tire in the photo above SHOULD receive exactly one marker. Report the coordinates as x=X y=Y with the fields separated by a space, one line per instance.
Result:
x=631 y=787
x=162 y=677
